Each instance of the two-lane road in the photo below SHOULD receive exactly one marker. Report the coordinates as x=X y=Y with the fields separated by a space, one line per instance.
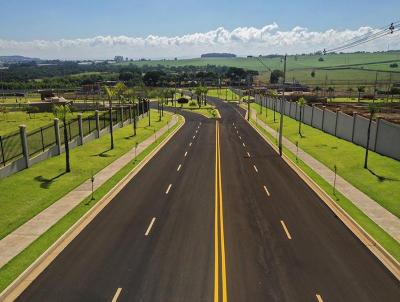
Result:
x=216 y=215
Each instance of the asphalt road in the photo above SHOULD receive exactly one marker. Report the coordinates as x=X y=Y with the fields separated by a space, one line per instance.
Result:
x=156 y=240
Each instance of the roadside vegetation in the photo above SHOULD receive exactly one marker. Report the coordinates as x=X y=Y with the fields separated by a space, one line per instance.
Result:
x=28 y=192
x=381 y=181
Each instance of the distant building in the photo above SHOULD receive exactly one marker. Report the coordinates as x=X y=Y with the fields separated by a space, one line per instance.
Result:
x=118 y=59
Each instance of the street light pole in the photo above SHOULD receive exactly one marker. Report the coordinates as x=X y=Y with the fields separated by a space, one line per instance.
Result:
x=282 y=108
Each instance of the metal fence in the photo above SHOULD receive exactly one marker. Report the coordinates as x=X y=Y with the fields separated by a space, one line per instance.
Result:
x=41 y=139
x=38 y=140
x=10 y=147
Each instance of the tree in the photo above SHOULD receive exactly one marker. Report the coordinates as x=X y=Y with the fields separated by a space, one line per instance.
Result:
x=62 y=112
x=350 y=91
x=331 y=92
x=110 y=92
x=360 y=90
x=301 y=102
x=372 y=110
x=275 y=75
x=313 y=74
x=131 y=95
x=198 y=91
x=317 y=89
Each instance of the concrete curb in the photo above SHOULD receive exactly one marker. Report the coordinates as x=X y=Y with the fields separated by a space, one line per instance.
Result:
x=39 y=265
x=384 y=257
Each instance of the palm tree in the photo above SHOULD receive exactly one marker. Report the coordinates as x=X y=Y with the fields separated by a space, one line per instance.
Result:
x=301 y=102
x=372 y=110
x=198 y=91
x=331 y=92
x=62 y=112
x=205 y=92
x=350 y=91
x=110 y=92
x=131 y=95
x=360 y=90
x=317 y=89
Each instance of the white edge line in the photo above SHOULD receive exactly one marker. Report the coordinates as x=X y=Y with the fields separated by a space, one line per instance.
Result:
x=286 y=230
x=169 y=188
x=150 y=226
x=117 y=293
x=266 y=191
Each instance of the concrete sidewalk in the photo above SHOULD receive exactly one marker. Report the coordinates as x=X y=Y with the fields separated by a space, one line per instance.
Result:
x=382 y=217
x=18 y=240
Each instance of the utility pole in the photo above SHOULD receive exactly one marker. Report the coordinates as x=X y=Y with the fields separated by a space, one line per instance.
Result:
x=148 y=110
x=282 y=108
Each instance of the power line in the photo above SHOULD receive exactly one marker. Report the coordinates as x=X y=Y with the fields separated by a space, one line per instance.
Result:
x=356 y=41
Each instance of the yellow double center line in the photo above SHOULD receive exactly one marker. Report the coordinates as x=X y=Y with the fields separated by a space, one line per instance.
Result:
x=219 y=237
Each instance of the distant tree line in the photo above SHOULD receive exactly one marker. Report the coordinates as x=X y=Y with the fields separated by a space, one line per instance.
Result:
x=59 y=74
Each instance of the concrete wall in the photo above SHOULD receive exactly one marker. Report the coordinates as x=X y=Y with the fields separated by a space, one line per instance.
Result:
x=317 y=118
x=384 y=136
x=330 y=122
x=307 y=114
x=388 y=139
x=361 y=132
x=344 y=126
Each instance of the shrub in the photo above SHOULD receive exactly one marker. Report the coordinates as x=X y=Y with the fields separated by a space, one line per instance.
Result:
x=192 y=104
x=321 y=59
x=394 y=65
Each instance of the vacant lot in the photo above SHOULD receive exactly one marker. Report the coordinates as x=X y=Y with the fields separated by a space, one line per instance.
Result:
x=9 y=122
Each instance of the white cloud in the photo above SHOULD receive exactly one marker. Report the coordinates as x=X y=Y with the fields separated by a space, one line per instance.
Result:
x=242 y=41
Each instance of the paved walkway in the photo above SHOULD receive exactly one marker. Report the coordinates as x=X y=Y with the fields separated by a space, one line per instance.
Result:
x=18 y=240
x=382 y=217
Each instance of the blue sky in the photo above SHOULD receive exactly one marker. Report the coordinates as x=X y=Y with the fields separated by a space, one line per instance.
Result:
x=164 y=29
x=56 y=19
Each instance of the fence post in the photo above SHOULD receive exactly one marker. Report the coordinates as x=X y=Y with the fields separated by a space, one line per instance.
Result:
x=312 y=114
x=57 y=134
x=378 y=122
x=24 y=143
x=80 y=127
x=323 y=117
x=96 y=114
x=336 y=121
x=354 y=126
x=2 y=151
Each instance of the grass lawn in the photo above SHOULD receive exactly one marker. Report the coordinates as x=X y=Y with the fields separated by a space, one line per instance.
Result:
x=16 y=266
x=10 y=121
x=224 y=94
x=381 y=183
x=388 y=243
x=208 y=111
x=28 y=192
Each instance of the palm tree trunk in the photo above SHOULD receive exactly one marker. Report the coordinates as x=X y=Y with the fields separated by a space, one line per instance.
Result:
x=367 y=147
